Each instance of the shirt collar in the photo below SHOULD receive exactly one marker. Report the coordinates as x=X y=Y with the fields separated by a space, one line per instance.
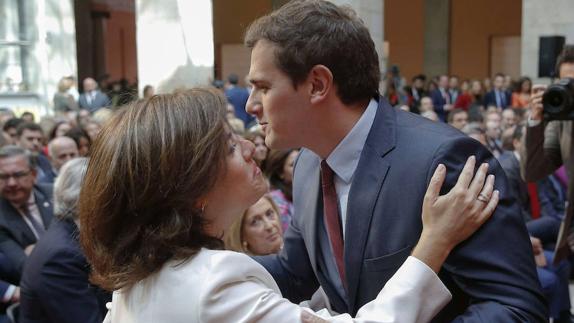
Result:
x=31 y=201
x=344 y=159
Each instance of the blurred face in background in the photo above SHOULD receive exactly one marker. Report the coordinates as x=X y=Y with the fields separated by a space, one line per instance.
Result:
x=476 y=87
x=460 y=120
x=287 y=175
x=443 y=82
x=93 y=129
x=31 y=140
x=453 y=82
x=17 y=179
x=418 y=83
x=62 y=129
x=426 y=104
x=508 y=118
x=498 y=82
x=465 y=86
x=493 y=130
x=261 y=228
x=260 y=150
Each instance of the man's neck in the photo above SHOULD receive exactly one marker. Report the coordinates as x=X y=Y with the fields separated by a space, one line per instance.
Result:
x=334 y=125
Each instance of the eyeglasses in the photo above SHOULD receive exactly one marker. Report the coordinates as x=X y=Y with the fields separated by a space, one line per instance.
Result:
x=16 y=176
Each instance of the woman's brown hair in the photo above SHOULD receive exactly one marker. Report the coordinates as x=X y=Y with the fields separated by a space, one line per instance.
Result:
x=274 y=171
x=151 y=164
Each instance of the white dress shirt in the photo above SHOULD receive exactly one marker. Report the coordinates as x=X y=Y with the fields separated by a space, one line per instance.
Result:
x=224 y=286
x=344 y=159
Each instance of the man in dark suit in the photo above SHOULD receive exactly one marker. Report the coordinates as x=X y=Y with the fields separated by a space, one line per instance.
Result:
x=416 y=92
x=307 y=94
x=92 y=99
x=238 y=96
x=441 y=99
x=498 y=96
x=25 y=208
x=55 y=284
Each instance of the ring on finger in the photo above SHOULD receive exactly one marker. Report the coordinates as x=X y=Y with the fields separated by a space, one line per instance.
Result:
x=482 y=198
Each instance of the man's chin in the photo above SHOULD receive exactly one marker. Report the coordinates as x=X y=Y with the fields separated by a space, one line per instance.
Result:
x=275 y=142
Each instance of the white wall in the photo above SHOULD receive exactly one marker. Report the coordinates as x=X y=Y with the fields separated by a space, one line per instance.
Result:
x=174 y=43
x=543 y=18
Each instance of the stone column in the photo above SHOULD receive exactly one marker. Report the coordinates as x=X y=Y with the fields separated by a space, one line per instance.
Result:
x=539 y=18
x=436 y=37
x=174 y=43
x=372 y=13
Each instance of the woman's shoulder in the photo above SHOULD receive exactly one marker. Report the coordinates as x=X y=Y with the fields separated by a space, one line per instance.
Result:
x=213 y=265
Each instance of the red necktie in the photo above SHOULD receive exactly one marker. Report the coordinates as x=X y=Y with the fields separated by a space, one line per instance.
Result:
x=331 y=218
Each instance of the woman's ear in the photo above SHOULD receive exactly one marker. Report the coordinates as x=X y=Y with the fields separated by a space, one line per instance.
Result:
x=321 y=83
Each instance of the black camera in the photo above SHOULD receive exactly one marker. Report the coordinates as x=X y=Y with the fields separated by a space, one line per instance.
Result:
x=558 y=100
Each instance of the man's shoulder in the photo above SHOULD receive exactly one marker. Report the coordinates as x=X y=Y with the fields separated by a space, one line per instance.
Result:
x=46 y=189
x=410 y=125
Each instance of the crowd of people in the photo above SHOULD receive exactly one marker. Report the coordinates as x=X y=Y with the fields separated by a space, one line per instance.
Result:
x=35 y=155
x=106 y=164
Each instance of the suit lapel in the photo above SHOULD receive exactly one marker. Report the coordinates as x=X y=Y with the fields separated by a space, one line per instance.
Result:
x=310 y=194
x=44 y=206
x=365 y=188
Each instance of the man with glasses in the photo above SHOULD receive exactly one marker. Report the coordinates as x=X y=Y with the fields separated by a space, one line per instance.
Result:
x=25 y=208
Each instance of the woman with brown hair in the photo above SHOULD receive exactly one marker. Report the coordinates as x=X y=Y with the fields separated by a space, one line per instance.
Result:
x=168 y=178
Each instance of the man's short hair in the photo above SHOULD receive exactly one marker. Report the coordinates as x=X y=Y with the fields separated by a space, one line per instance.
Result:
x=316 y=32
x=12 y=123
x=233 y=79
x=28 y=126
x=473 y=128
x=12 y=151
x=566 y=56
x=454 y=112
x=421 y=77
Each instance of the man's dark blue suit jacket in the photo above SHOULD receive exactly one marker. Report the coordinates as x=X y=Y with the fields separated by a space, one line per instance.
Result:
x=492 y=275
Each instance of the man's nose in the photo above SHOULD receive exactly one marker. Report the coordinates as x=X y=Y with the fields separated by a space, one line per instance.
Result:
x=11 y=181
x=253 y=106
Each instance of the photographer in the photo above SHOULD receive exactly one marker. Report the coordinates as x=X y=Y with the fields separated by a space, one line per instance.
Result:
x=548 y=144
x=546 y=147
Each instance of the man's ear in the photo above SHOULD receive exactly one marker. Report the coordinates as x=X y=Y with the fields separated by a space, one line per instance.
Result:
x=321 y=83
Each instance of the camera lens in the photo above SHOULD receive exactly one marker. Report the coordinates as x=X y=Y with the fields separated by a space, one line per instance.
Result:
x=554 y=99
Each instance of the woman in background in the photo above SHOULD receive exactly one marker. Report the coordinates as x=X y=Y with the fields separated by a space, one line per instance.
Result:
x=261 y=150
x=279 y=171
x=257 y=231
x=521 y=96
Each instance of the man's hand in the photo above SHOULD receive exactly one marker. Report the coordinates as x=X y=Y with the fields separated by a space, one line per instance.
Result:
x=536 y=108
x=28 y=249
